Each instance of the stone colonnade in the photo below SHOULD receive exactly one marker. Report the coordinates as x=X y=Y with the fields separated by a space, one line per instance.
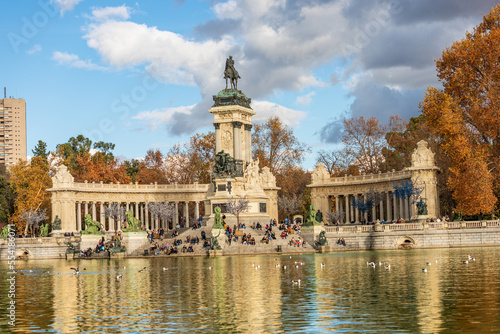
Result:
x=71 y=201
x=340 y=193
x=388 y=208
x=139 y=211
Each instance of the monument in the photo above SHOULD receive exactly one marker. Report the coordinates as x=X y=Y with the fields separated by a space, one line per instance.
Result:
x=235 y=175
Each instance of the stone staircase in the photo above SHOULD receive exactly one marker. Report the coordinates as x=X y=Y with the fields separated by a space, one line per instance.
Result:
x=274 y=246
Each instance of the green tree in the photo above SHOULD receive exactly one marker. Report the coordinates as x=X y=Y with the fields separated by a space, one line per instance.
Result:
x=40 y=150
x=7 y=196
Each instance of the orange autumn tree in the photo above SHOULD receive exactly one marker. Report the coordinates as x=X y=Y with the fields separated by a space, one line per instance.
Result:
x=30 y=181
x=276 y=147
x=465 y=115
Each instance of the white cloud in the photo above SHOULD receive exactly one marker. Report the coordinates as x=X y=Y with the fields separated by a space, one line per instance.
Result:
x=166 y=55
x=66 y=5
x=305 y=99
x=111 y=13
x=266 y=109
x=72 y=60
x=155 y=118
x=35 y=49
x=228 y=10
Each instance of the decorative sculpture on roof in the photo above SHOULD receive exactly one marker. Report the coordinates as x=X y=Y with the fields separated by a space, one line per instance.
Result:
x=320 y=174
x=62 y=177
x=422 y=156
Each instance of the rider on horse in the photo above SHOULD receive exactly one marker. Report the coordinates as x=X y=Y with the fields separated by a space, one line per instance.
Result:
x=231 y=73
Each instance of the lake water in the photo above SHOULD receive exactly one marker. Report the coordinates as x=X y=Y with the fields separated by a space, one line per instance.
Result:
x=235 y=295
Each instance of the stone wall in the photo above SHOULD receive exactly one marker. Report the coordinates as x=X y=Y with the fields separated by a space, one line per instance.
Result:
x=423 y=238
x=38 y=248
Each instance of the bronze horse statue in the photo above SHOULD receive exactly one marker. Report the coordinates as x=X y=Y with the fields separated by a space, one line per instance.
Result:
x=231 y=73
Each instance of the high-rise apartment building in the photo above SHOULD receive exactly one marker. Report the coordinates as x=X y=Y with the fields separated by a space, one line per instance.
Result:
x=12 y=130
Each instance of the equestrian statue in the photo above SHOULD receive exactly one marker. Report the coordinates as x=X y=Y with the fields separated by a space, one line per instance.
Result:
x=231 y=73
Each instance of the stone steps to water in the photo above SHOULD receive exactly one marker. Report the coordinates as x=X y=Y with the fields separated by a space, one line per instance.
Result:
x=274 y=246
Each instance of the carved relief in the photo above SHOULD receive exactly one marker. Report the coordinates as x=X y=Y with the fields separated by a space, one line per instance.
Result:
x=252 y=179
x=267 y=178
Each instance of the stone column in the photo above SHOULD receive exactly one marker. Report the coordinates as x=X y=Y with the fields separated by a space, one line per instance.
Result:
x=337 y=203
x=78 y=216
x=374 y=213
x=401 y=208
x=407 y=212
x=346 y=198
x=389 y=213
x=351 y=209
x=176 y=216
x=356 y=210
x=136 y=210
x=127 y=206
x=196 y=210
x=102 y=218
x=248 y=142
x=366 y=212
x=237 y=139
x=217 y=137
x=146 y=216
x=86 y=206
x=141 y=210
x=185 y=208
x=395 y=207
x=381 y=208
x=94 y=218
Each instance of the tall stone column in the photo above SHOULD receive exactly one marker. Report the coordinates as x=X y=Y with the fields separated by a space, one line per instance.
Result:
x=389 y=213
x=346 y=198
x=136 y=210
x=141 y=210
x=78 y=216
x=196 y=210
x=176 y=216
x=407 y=212
x=366 y=212
x=217 y=137
x=146 y=216
x=127 y=208
x=395 y=207
x=357 y=212
x=351 y=209
x=337 y=203
x=248 y=142
x=102 y=216
x=94 y=218
x=185 y=208
x=86 y=206
x=381 y=209
x=374 y=213
x=401 y=208
x=237 y=139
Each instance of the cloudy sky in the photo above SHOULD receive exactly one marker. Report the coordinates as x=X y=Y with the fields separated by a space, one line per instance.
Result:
x=141 y=74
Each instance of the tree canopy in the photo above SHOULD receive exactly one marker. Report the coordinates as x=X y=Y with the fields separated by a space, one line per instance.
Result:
x=465 y=115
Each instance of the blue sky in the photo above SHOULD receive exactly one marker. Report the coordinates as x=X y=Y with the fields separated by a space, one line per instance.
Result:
x=141 y=74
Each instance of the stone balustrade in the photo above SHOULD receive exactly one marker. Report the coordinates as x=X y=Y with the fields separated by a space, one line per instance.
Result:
x=413 y=226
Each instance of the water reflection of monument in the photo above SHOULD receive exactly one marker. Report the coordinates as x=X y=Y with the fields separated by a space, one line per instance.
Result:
x=235 y=175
